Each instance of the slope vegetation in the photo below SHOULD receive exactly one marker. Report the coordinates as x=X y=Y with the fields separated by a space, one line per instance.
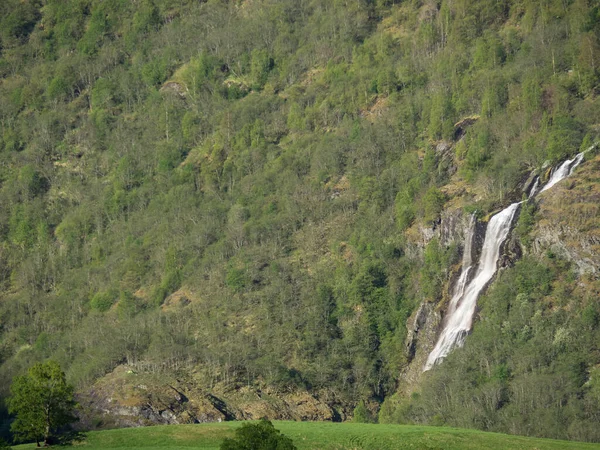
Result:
x=246 y=196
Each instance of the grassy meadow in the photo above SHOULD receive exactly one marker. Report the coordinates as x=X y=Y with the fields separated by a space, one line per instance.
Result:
x=320 y=435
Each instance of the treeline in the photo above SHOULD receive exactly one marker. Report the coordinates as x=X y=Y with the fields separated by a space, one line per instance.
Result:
x=235 y=186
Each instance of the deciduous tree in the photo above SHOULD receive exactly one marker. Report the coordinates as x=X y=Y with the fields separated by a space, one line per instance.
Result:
x=42 y=401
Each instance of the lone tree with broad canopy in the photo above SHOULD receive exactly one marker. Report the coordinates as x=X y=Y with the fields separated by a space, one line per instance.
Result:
x=42 y=402
x=258 y=436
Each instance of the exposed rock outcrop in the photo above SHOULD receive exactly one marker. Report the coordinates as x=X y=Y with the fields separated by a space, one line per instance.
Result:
x=423 y=326
x=128 y=398
x=568 y=223
x=460 y=128
x=569 y=219
x=175 y=88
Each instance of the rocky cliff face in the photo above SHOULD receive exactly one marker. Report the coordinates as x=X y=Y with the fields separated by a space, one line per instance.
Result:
x=569 y=218
x=423 y=328
x=128 y=398
x=567 y=223
x=425 y=323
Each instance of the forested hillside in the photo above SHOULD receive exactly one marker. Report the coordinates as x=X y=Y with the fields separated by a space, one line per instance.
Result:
x=251 y=195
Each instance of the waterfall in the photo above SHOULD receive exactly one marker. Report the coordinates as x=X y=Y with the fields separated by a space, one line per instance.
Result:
x=535 y=188
x=467 y=265
x=459 y=322
x=461 y=309
x=563 y=171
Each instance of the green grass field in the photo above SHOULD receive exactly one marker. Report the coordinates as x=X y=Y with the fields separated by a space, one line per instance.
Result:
x=320 y=435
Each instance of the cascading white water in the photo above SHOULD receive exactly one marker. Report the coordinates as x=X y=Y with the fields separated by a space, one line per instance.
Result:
x=535 y=188
x=464 y=301
x=563 y=171
x=467 y=265
x=459 y=322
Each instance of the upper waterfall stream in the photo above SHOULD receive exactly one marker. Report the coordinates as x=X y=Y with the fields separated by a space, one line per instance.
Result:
x=563 y=171
x=462 y=306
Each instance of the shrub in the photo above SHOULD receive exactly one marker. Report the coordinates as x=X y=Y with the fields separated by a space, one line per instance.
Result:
x=102 y=301
x=362 y=414
x=258 y=436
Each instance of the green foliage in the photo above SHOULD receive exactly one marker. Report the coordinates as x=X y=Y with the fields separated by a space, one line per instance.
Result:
x=42 y=402
x=58 y=89
x=441 y=119
x=276 y=164
x=526 y=221
x=525 y=342
x=102 y=93
x=260 y=66
x=25 y=226
x=295 y=119
x=33 y=182
x=170 y=283
x=129 y=305
x=361 y=414
x=19 y=21
x=11 y=141
x=155 y=72
x=236 y=278
x=478 y=149
x=434 y=270
x=259 y=436
x=102 y=301
x=97 y=28
x=564 y=138
x=433 y=204
x=146 y=17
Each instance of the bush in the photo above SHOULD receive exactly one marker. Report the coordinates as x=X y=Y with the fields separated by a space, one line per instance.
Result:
x=258 y=436
x=362 y=414
x=103 y=300
x=433 y=204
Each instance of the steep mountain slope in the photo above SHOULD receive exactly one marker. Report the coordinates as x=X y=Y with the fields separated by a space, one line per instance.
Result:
x=529 y=367
x=252 y=199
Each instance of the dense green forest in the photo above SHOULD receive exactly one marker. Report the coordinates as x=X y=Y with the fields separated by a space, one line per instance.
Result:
x=238 y=189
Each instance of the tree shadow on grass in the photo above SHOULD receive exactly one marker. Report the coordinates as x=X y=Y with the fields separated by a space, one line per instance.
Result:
x=68 y=438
